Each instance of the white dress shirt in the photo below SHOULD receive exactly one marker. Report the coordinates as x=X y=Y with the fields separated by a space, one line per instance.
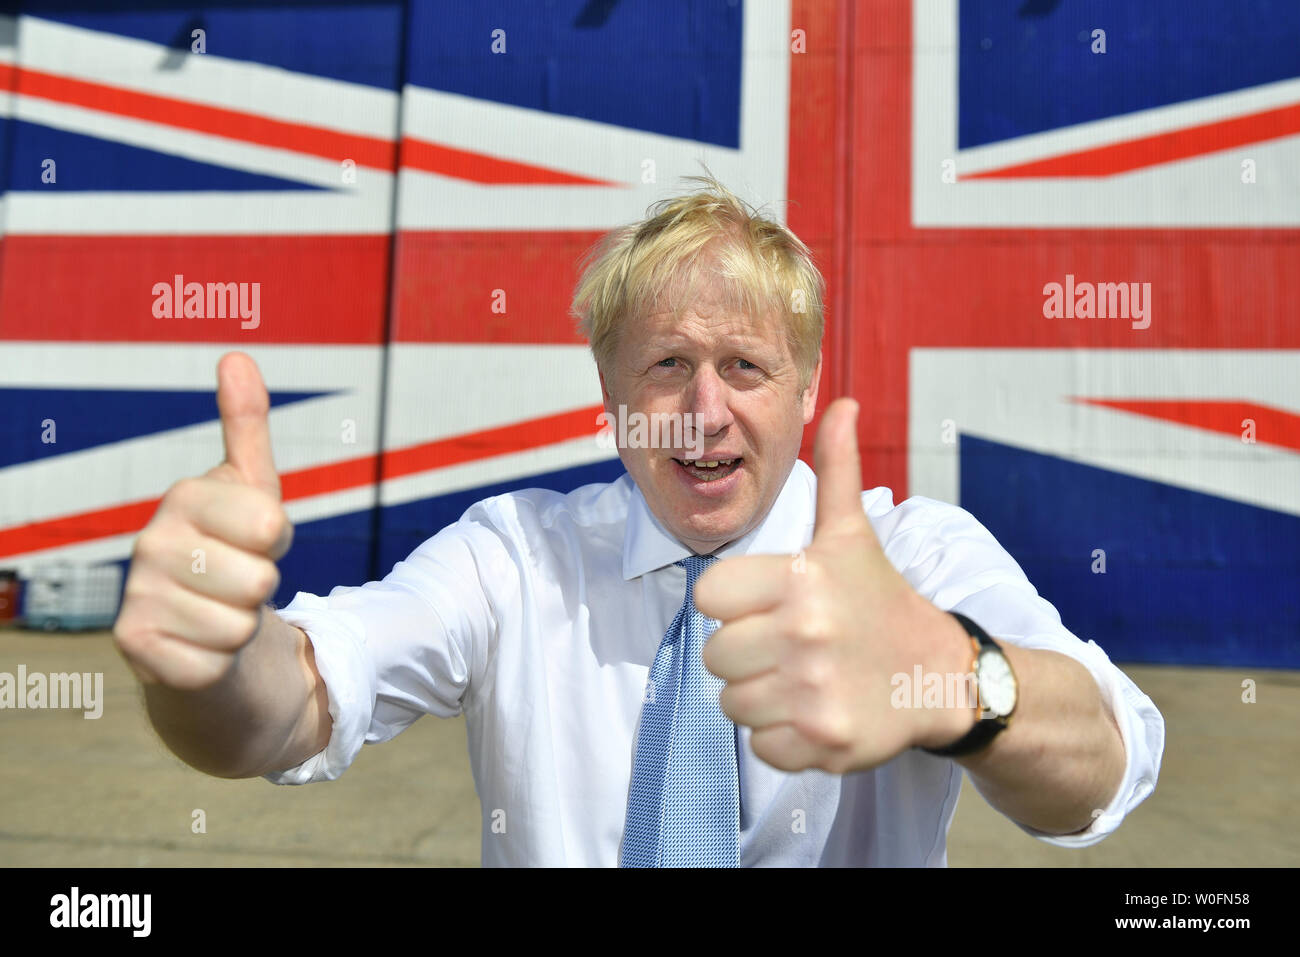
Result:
x=537 y=615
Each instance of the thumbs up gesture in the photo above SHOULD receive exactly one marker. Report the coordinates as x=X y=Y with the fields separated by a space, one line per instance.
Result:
x=205 y=564
x=808 y=647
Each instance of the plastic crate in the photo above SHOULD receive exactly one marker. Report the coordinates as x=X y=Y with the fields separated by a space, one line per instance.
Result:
x=64 y=596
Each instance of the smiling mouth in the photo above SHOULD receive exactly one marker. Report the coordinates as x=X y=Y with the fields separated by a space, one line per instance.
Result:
x=708 y=470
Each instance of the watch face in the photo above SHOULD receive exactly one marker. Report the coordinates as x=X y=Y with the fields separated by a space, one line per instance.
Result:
x=997 y=684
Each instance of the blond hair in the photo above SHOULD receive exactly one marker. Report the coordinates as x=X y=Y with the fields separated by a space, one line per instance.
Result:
x=685 y=241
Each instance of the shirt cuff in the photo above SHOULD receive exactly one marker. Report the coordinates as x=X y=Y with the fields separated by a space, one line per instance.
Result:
x=338 y=640
x=1142 y=729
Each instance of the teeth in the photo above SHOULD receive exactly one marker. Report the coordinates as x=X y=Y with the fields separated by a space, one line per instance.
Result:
x=707 y=465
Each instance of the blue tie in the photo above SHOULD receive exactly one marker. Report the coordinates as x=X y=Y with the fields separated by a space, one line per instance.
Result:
x=683 y=809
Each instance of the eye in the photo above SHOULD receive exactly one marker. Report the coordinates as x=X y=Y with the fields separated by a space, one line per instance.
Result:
x=746 y=366
x=667 y=363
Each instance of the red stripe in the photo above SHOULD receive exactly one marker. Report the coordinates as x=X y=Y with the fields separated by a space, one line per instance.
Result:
x=480 y=168
x=313 y=289
x=370 y=151
x=819 y=180
x=488 y=286
x=71 y=529
x=321 y=479
x=1227 y=417
x=441 y=453
x=961 y=287
x=1160 y=147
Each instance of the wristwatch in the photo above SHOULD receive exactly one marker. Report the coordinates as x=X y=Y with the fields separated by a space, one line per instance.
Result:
x=998 y=692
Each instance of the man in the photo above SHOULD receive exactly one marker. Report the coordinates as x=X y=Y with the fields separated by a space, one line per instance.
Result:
x=608 y=721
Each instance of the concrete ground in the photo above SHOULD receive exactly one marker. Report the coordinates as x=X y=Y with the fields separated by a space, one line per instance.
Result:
x=106 y=792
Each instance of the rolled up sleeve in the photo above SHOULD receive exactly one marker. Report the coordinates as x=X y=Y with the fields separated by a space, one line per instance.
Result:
x=391 y=651
x=338 y=641
x=1142 y=729
x=955 y=562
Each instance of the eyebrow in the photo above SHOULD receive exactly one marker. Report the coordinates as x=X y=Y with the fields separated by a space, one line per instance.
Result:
x=673 y=341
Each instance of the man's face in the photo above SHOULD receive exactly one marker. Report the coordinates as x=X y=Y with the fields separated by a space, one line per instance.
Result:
x=730 y=391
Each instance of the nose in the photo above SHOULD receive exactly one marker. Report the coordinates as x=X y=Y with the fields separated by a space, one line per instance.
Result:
x=709 y=402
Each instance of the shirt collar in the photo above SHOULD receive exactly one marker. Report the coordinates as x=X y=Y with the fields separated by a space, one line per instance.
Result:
x=786 y=528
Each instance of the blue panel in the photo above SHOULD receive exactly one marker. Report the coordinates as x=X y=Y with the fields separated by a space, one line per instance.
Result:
x=6 y=131
x=357 y=42
x=89 y=163
x=671 y=68
x=325 y=553
x=337 y=551
x=331 y=551
x=84 y=418
x=1026 y=67
x=1190 y=578
x=404 y=527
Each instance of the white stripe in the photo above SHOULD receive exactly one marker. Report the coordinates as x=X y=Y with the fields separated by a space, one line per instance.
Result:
x=363 y=206
x=206 y=78
x=440 y=390
x=765 y=102
x=112 y=549
x=1204 y=191
x=436 y=391
x=195 y=214
x=1131 y=126
x=435 y=202
x=757 y=171
x=136 y=469
x=516 y=467
x=1019 y=397
x=201 y=147
x=8 y=38
x=567 y=144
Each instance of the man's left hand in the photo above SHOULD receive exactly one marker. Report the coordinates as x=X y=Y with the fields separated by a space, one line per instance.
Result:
x=809 y=645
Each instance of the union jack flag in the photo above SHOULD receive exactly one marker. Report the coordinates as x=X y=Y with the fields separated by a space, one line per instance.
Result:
x=408 y=186
x=1143 y=470
x=405 y=187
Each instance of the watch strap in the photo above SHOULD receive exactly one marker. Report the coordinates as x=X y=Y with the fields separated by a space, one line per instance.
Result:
x=986 y=728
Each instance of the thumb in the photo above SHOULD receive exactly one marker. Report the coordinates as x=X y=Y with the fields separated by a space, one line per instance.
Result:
x=244 y=405
x=839 y=471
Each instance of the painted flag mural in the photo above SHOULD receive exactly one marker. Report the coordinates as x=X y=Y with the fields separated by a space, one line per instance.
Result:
x=384 y=204
x=1118 y=398
x=1063 y=266
x=164 y=206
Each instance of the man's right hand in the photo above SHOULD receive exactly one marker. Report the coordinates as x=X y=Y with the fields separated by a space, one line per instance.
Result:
x=203 y=568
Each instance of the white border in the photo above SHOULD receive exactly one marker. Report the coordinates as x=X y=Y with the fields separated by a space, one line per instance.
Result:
x=1020 y=397
x=1204 y=191
x=756 y=171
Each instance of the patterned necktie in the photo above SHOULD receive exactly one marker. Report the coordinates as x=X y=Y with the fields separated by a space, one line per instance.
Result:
x=683 y=809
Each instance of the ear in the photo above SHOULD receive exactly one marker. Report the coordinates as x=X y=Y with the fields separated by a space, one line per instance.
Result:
x=810 y=393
